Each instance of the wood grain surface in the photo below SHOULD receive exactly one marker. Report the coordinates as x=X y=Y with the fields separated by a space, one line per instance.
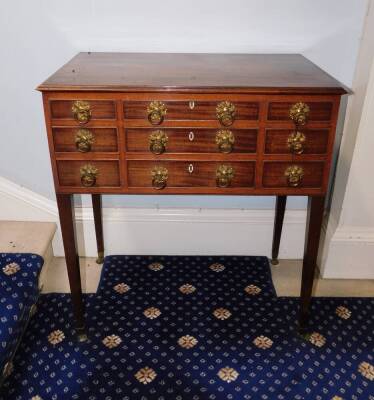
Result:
x=204 y=110
x=69 y=173
x=316 y=141
x=274 y=174
x=250 y=73
x=105 y=139
x=100 y=109
x=203 y=173
x=179 y=140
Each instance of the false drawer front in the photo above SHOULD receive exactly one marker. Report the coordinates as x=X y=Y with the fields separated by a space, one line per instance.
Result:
x=185 y=140
x=66 y=139
x=88 y=173
x=315 y=111
x=287 y=174
x=306 y=141
x=208 y=174
x=82 y=111
x=158 y=111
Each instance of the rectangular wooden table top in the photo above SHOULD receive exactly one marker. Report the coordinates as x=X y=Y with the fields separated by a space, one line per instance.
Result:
x=247 y=73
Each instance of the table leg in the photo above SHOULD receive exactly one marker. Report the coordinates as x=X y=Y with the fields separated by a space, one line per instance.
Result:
x=280 y=207
x=67 y=222
x=98 y=219
x=313 y=233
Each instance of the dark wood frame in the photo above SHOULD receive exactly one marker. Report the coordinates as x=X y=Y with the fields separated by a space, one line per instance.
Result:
x=280 y=208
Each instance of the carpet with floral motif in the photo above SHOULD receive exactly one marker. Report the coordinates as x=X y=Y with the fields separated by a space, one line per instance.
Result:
x=194 y=328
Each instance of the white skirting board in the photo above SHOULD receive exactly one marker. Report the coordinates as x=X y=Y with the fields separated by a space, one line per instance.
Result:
x=189 y=231
x=162 y=231
x=348 y=252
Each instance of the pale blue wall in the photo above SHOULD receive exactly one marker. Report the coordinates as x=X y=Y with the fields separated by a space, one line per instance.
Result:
x=37 y=36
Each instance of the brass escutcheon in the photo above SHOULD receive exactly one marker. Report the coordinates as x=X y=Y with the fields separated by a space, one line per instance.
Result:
x=299 y=113
x=159 y=177
x=88 y=174
x=84 y=139
x=158 y=141
x=226 y=112
x=294 y=175
x=81 y=111
x=225 y=140
x=296 y=142
x=224 y=175
x=156 y=111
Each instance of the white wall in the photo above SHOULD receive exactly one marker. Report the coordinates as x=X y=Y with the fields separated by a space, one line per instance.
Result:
x=350 y=247
x=349 y=243
x=37 y=36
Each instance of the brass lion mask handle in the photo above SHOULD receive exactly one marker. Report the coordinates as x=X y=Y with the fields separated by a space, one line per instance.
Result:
x=296 y=142
x=84 y=140
x=88 y=174
x=226 y=112
x=299 y=113
x=156 y=111
x=225 y=140
x=224 y=175
x=159 y=177
x=294 y=175
x=158 y=141
x=81 y=111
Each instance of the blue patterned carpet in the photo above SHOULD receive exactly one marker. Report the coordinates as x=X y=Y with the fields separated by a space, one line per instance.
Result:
x=194 y=328
x=19 y=291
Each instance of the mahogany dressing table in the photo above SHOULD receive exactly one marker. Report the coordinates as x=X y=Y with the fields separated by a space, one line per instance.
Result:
x=167 y=124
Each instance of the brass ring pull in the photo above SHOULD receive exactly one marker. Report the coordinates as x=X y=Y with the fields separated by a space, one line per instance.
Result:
x=296 y=142
x=156 y=111
x=226 y=112
x=159 y=177
x=84 y=140
x=157 y=142
x=299 y=113
x=224 y=175
x=294 y=175
x=81 y=111
x=225 y=140
x=88 y=175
